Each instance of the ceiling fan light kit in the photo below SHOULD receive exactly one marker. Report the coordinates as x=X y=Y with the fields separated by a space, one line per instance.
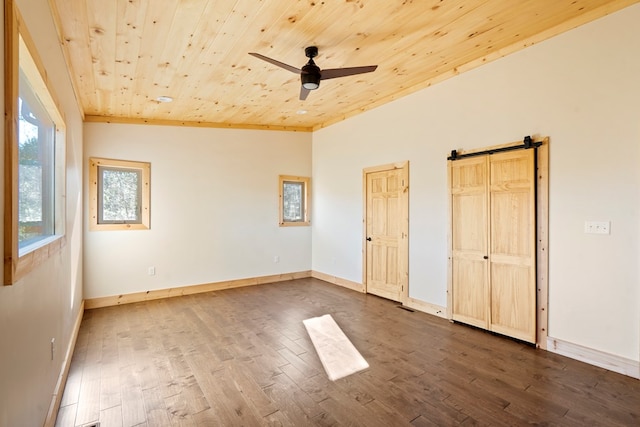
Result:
x=310 y=85
x=311 y=74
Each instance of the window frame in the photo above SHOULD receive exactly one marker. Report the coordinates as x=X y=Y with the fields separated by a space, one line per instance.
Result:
x=20 y=54
x=306 y=183
x=95 y=163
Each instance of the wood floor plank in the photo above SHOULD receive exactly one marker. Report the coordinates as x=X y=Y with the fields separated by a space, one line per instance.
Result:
x=237 y=407
x=66 y=416
x=179 y=410
x=133 y=410
x=155 y=406
x=88 y=408
x=280 y=393
x=317 y=387
x=308 y=370
x=263 y=369
x=74 y=381
x=110 y=393
x=111 y=416
x=221 y=411
x=253 y=394
x=243 y=357
x=423 y=422
x=208 y=418
x=310 y=407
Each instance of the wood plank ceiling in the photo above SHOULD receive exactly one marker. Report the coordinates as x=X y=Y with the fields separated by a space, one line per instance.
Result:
x=124 y=54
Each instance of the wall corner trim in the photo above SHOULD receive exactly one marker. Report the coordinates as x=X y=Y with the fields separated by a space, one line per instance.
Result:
x=354 y=286
x=594 y=357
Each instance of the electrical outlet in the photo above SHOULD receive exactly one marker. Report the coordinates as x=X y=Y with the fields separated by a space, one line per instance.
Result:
x=276 y=259
x=597 y=227
x=151 y=271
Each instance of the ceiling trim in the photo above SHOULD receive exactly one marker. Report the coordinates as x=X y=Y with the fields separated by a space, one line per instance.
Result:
x=141 y=121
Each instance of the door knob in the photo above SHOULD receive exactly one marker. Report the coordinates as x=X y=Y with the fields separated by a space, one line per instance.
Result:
x=368 y=239
x=485 y=257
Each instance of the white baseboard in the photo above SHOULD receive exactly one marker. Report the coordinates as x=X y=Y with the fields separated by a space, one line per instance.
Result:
x=595 y=357
x=426 y=307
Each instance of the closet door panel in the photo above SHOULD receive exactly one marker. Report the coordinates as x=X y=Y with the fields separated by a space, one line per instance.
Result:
x=470 y=293
x=512 y=244
x=470 y=296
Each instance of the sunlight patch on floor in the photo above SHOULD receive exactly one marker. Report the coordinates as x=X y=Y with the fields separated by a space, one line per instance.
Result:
x=338 y=355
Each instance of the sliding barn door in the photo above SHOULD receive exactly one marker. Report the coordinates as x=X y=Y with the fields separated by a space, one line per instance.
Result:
x=493 y=242
x=512 y=244
x=469 y=241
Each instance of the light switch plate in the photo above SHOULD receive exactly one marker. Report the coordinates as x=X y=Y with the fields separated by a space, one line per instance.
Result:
x=597 y=227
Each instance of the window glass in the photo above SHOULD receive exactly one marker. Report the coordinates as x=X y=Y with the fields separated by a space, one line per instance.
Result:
x=292 y=199
x=36 y=172
x=120 y=195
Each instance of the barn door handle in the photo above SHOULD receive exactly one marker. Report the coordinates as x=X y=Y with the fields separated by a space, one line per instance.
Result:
x=368 y=239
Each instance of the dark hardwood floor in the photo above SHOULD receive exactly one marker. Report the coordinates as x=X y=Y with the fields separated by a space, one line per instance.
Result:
x=243 y=357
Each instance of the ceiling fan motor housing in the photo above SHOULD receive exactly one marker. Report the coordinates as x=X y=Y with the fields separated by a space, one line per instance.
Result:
x=310 y=76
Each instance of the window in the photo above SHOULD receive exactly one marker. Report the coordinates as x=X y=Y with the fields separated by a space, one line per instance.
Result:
x=294 y=200
x=36 y=175
x=34 y=156
x=118 y=194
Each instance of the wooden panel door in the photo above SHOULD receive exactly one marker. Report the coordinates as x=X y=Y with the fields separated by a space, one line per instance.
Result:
x=469 y=238
x=493 y=247
x=512 y=248
x=385 y=264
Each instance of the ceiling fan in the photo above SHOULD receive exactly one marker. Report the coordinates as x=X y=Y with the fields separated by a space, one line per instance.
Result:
x=311 y=74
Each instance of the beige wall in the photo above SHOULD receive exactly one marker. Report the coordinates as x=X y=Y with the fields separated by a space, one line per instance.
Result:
x=214 y=208
x=581 y=89
x=44 y=304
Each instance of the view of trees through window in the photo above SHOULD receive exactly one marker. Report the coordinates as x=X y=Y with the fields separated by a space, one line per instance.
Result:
x=36 y=133
x=121 y=195
x=293 y=201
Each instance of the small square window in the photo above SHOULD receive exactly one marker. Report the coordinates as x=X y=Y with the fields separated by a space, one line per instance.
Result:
x=119 y=194
x=294 y=200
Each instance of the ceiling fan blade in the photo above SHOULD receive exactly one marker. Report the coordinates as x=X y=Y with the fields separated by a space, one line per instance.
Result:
x=303 y=93
x=332 y=73
x=274 y=62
